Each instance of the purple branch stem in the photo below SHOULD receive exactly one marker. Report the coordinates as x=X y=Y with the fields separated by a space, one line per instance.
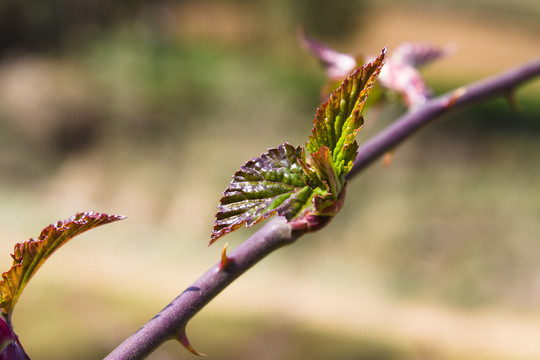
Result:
x=433 y=109
x=170 y=323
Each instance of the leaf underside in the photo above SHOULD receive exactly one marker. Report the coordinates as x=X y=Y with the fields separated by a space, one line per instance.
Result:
x=28 y=256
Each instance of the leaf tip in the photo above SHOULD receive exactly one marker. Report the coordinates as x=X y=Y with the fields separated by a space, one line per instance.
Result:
x=216 y=234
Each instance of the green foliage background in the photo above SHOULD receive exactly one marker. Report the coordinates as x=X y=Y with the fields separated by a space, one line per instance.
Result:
x=147 y=108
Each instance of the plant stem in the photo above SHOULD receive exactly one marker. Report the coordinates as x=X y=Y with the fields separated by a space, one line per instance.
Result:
x=170 y=323
x=433 y=109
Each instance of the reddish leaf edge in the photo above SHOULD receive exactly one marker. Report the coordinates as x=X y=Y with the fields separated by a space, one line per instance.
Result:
x=37 y=250
x=292 y=153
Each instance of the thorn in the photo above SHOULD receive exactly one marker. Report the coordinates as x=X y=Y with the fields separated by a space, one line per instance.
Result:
x=387 y=158
x=511 y=97
x=455 y=96
x=182 y=338
x=225 y=261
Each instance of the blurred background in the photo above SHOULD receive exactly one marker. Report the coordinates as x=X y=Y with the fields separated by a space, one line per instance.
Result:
x=146 y=108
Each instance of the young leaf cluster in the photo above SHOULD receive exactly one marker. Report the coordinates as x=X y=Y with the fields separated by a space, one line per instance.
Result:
x=303 y=190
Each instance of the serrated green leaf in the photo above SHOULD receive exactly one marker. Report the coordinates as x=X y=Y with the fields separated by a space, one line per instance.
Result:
x=279 y=181
x=28 y=256
x=339 y=119
x=282 y=181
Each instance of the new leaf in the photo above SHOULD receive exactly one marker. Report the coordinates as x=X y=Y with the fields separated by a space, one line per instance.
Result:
x=28 y=256
x=307 y=193
x=339 y=119
x=274 y=182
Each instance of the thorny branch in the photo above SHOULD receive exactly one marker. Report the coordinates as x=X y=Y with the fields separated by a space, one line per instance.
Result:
x=171 y=322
